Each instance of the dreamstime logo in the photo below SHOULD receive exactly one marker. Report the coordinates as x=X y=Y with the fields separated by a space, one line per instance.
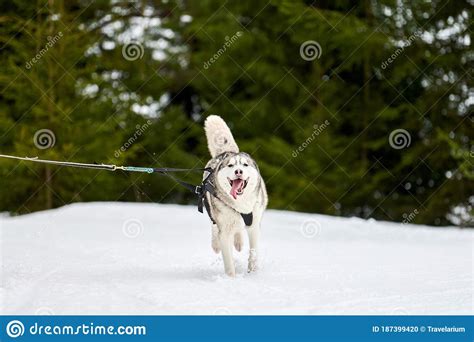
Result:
x=399 y=139
x=318 y=129
x=409 y=218
x=15 y=329
x=220 y=138
x=133 y=51
x=229 y=41
x=132 y=228
x=310 y=228
x=51 y=42
x=140 y=129
x=310 y=50
x=44 y=138
x=406 y=43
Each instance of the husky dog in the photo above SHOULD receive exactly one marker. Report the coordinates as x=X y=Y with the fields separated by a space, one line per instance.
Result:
x=239 y=198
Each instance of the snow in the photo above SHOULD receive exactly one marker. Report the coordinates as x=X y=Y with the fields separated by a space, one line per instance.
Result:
x=124 y=258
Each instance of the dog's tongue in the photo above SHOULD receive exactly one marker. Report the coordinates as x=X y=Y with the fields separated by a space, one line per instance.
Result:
x=236 y=184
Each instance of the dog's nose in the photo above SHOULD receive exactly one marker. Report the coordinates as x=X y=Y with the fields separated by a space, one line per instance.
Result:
x=238 y=172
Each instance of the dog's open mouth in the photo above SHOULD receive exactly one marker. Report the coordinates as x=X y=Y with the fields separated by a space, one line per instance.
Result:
x=237 y=186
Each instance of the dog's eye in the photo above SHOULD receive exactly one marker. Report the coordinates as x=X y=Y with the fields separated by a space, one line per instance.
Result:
x=245 y=164
x=230 y=165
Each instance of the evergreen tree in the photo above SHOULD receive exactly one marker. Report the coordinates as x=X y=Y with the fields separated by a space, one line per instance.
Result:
x=320 y=92
x=51 y=103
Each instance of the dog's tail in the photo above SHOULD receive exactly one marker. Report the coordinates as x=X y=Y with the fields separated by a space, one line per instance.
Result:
x=219 y=137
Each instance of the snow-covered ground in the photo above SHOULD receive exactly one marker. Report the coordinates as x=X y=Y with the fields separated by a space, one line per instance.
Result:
x=122 y=258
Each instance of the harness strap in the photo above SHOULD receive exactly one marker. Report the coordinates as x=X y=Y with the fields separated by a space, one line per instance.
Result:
x=208 y=209
x=108 y=167
x=71 y=164
x=199 y=190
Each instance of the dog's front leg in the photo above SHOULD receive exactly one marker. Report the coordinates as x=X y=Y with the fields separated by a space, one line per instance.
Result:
x=215 y=239
x=226 y=247
x=254 y=235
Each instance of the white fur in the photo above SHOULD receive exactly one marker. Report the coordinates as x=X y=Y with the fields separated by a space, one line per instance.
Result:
x=219 y=137
x=226 y=210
